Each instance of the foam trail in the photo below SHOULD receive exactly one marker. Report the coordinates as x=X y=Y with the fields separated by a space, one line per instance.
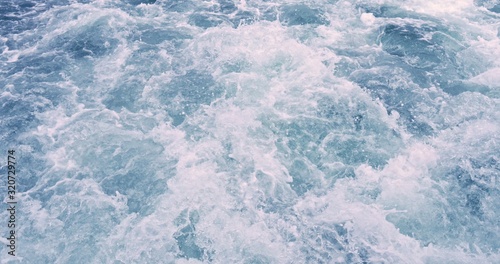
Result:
x=252 y=131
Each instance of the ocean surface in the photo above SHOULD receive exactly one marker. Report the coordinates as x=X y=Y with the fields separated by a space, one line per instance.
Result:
x=242 y=131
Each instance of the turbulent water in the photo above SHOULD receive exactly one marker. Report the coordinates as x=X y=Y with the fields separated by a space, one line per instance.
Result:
x=266 y=131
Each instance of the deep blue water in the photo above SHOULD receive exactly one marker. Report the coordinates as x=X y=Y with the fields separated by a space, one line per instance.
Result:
x=262 y=131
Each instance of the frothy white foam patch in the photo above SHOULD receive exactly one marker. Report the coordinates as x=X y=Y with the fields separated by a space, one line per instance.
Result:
x=12 y=55
x=365 y=224
x=448 y=7
x=368 y=18
x=489 y=78
x=228 y=196
x=405 y=181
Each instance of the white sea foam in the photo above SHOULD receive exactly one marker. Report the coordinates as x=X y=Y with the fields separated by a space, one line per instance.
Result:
x=257 y=132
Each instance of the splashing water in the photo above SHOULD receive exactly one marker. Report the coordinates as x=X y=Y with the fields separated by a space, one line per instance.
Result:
x=259 y=131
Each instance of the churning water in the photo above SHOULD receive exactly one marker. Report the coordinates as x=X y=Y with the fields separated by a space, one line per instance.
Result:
x=266 y=131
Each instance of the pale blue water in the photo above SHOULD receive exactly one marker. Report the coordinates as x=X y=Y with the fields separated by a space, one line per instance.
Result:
x=260 y=131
